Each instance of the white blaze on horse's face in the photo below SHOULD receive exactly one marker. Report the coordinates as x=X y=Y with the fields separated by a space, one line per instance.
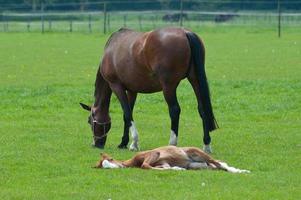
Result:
x=109 y=165
x=173 y=140
x=134 y=146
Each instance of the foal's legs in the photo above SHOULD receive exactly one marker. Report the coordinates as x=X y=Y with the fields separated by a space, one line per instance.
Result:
x=196 y=88
x=126 y=105
x=150 y=159
x=198 y=156
x=174 y=112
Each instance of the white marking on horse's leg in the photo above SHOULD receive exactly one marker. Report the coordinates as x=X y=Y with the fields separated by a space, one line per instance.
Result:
x=134 y=146
x=207 y=148
x=233 y=169
x=173 y=140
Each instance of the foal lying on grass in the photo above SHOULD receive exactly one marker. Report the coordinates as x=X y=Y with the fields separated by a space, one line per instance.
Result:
x=169 y=157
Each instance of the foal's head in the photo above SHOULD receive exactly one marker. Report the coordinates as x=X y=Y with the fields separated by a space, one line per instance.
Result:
x=99 y=128
x=108 y=162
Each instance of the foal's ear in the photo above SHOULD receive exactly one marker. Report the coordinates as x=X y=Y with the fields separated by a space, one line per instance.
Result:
x=104 y=155
x=84 y=106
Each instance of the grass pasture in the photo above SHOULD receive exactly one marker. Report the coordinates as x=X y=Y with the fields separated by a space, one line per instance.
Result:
x=255 y=81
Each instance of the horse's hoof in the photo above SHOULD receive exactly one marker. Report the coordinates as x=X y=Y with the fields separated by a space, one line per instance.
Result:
x=98 y=146
x=122 y=146
x=207 y=149
x=134 y=147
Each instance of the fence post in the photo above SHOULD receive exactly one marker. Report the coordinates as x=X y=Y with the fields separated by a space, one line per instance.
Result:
x=181 y=14
x=140 y=23
x=124 y=20
x=70 y=26
x=42 y=16
x=279 y=19
x=2 y=19
x=4 y=22
x=104 y=17
x=90 y=25
x=153 y=22
x=108 y=23
x=28 y=25
x=49 y=24
x=6 y=25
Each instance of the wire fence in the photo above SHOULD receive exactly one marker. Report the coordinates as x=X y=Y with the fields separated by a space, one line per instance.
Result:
x=107 y=17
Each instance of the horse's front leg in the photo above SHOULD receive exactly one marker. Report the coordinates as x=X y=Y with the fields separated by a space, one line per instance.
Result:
x=126 y=104
x=131 y=96
x=174 y=113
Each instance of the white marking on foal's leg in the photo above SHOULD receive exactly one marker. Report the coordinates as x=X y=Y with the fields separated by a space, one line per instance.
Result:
x=177 y=168
x=198 y=165
x=173 y=140
x=207 y=148
x=134 y=146
x=232 y=169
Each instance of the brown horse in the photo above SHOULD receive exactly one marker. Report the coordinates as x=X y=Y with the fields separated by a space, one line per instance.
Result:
x=154 y=61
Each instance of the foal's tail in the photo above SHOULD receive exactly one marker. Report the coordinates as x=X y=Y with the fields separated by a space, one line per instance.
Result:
x=198 y=58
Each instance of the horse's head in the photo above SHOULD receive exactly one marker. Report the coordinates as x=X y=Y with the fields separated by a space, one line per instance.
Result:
x=99 y=128
x=108 y=162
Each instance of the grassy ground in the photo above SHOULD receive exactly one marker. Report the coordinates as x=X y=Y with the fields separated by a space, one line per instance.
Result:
x=44 y=138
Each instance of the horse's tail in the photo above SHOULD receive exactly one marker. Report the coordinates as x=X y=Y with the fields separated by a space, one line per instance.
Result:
x=198 y=58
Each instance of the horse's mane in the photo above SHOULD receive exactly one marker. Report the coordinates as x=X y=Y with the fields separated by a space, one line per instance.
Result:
x=116 y=33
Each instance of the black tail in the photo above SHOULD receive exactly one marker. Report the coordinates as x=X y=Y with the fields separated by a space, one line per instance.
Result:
x=198 y=58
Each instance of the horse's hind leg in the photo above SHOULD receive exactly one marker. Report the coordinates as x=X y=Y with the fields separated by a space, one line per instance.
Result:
x=196 y=88
x=126 y=105
x=174 y=112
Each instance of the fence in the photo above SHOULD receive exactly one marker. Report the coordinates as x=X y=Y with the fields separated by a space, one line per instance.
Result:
x=145 y=15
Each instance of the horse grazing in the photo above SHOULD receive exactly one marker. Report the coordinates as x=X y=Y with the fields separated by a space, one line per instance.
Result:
x=169 y=157
x=154 y=61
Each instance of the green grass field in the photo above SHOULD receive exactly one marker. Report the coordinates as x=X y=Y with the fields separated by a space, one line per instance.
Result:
x=45 y=152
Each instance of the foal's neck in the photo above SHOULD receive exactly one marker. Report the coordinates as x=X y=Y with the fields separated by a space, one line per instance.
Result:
x=127 y=163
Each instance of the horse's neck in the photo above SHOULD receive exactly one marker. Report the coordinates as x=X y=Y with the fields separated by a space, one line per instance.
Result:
x=102 y=96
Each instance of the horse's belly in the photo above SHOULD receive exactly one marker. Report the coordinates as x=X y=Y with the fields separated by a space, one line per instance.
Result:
x=144 y=87
x=141 y=82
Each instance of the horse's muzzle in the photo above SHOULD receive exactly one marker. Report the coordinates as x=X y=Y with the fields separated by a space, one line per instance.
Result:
x=100 y=143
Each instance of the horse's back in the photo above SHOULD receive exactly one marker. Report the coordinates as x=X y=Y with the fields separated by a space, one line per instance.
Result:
x=150 y=58
x=167 y=48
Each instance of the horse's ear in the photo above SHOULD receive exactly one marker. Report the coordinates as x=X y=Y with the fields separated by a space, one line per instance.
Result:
x=84 y=106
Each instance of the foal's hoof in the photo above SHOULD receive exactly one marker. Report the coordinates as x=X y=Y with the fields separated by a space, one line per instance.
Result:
x=207 y=149
x=122 y=146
